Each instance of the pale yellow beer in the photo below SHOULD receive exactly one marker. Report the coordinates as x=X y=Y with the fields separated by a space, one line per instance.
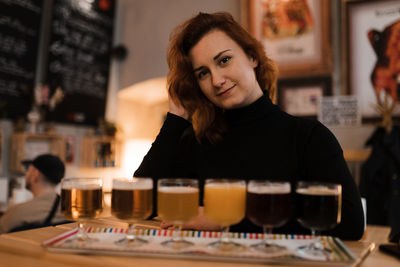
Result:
x=83 y=202
x=132 y=199
x=225 y=203
x=178 y=204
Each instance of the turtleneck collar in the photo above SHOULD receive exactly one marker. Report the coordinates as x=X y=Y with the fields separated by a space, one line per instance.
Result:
x=256 y=110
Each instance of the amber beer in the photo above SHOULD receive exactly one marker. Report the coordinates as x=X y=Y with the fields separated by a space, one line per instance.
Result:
x=82 y=201
x=178 y=204
x=132 y=199
x=268 y=205
x=319 y=207
x=225 y=201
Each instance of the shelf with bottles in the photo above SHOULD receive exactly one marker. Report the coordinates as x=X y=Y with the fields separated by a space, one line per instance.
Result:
x=100 y=151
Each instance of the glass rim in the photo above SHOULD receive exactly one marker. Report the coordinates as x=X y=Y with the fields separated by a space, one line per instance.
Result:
x=81 y=178
x=177 y=181
x=133 y=178
x=268 y=181
x=132 y=183
x=329 y=184
x=224 y=180
x=72 y=182
x=319 y=188
x=269 y=187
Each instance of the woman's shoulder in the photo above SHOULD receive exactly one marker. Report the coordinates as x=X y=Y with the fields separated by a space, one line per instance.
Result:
x=310 y=130
x=310 y=125
x=316 y=135
x=175 y=120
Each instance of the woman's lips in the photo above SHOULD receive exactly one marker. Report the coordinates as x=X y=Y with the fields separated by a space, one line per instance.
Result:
x=226 y=92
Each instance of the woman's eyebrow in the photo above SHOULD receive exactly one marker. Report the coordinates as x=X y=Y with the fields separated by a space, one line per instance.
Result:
x=214 y=58
x=199 y=68
x=220 y=53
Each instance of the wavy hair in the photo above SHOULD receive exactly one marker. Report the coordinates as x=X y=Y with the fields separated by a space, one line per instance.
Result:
x=207 y=119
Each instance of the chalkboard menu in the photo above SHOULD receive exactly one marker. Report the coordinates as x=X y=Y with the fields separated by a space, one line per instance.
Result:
x=79 y=58
x=20 y=22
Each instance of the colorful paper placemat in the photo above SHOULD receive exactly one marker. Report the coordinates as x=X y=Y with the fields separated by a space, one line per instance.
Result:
x=339 y=253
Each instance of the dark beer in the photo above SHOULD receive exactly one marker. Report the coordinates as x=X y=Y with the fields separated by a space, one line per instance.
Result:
x=319 y=208
x=132 y=203
x=269 y=209
x=84 y=202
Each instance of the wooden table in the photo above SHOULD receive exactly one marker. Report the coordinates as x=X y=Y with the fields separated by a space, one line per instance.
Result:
x=23 y=249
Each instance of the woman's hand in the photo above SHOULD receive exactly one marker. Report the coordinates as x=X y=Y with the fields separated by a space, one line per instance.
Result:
x=177 y=109
x=166 y=225
x=200 y=223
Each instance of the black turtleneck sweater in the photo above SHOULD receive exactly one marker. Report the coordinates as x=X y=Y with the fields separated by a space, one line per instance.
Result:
x=263 y=142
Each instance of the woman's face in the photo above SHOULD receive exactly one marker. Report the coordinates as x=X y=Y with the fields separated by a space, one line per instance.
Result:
x=225 y=73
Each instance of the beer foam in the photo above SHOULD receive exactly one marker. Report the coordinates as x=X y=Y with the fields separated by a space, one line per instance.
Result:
x=178 y=189
x=318 y=190
x=269 y=189
x=226 y=185
x=138 y=184
x=80 y=186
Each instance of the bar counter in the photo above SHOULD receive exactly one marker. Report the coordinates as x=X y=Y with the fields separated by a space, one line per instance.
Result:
x=24 y=249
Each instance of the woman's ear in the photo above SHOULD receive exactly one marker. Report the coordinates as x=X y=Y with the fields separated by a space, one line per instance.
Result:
x=254 y=62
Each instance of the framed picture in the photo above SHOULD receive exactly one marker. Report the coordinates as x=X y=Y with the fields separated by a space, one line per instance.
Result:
x=296 y=34
x=371 y=54
x=36 y=147
x=300 y=97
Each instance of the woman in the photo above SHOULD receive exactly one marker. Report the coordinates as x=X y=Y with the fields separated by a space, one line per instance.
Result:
x=222 y=123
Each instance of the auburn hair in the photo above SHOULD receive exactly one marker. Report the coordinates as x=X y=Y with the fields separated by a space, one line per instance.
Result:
x=207 y=119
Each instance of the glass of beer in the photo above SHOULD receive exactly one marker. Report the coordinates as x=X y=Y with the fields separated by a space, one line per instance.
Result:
x=131 y=200
x=319 y=209
x=81 y=199
x=268 y=206
x=178 y=203
x=225 y=205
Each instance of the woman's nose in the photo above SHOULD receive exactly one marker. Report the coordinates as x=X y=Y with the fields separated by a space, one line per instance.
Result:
x=218 y=79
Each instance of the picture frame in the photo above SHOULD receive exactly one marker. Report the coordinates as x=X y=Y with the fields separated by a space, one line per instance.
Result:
x=298 y=51
x=299 y=97
x=363 y=53
x=27 y=146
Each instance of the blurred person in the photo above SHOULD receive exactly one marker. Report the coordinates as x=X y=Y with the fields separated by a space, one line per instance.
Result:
x=223 y=124
x=42 y=177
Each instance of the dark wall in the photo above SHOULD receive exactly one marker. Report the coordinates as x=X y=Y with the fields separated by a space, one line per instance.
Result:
x=74 y=39
x=19 y=39
x=79 y=58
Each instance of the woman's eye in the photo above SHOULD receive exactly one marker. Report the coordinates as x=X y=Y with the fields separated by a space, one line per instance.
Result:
x=201 y=74
x=224 y=60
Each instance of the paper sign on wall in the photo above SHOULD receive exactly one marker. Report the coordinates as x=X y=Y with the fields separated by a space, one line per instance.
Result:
x=339 y=111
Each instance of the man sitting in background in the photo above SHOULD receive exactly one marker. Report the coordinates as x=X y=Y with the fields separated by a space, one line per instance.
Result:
x=44 y=174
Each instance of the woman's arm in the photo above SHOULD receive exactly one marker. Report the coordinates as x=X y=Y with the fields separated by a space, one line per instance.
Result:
x=171 y=154
x=166 y=150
